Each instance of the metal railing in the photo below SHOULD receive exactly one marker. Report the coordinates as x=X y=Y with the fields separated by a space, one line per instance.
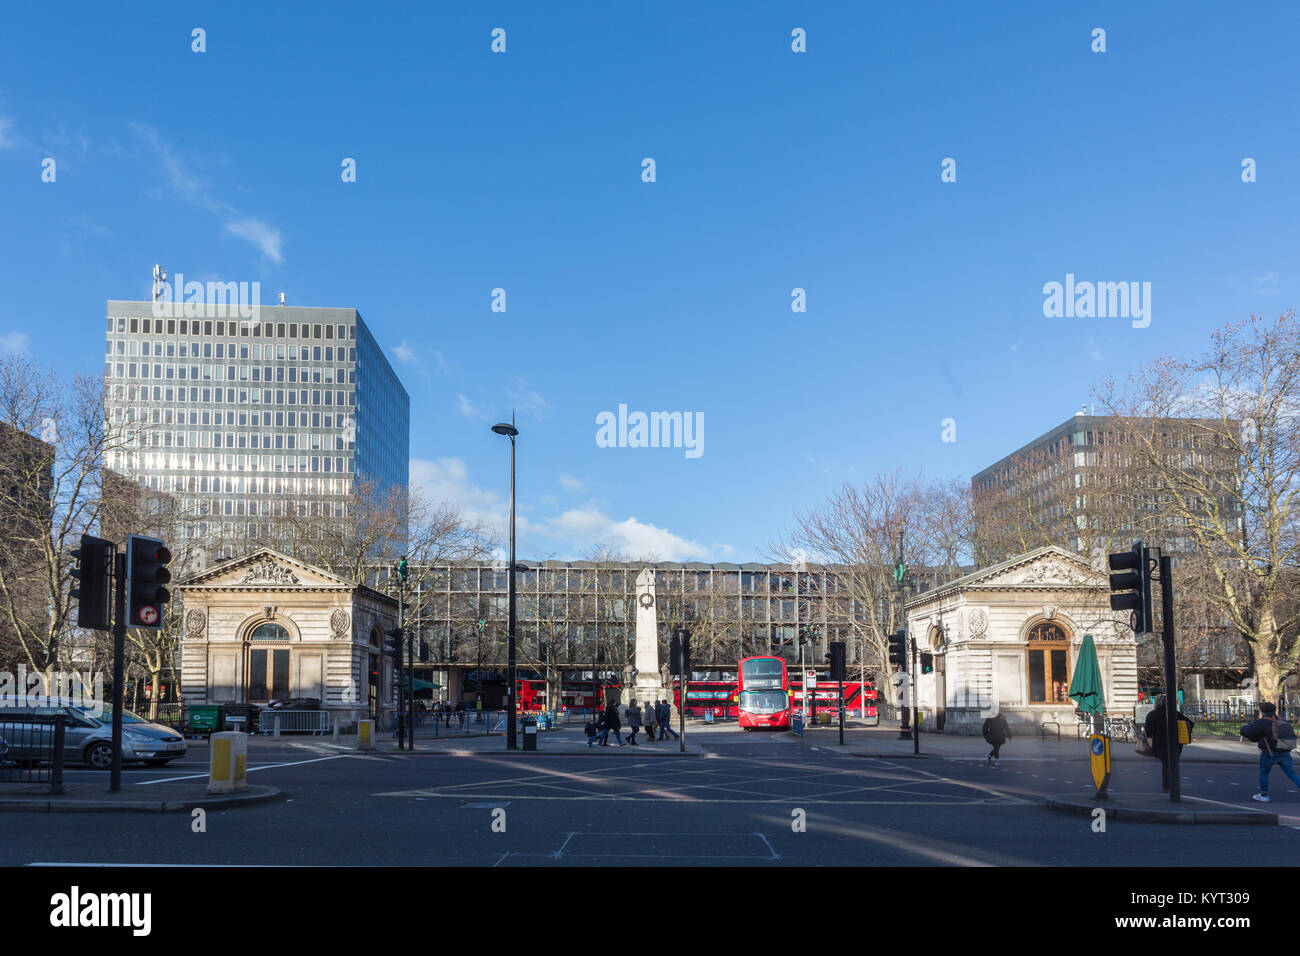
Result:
x=31 y=750
x=293 y=721
x=1232 y=712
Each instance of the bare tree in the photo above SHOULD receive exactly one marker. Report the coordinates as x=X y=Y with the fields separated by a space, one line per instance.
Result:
x=856 y=536
x=1220 y=437
x=54 y=443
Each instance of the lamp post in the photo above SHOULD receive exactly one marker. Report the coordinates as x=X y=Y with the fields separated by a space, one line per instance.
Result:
x=510 y=431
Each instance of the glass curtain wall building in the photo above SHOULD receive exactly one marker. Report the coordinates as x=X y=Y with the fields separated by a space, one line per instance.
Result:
x=244 y=418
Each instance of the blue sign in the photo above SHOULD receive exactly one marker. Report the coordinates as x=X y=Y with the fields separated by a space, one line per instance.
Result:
x=1097 y=746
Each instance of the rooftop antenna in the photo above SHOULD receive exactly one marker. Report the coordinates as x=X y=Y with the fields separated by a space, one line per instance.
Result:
x=159 y=277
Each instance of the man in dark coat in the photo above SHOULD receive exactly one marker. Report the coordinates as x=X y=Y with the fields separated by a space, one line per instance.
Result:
x=1263 y=732
x=612 y=723
x=996 y=733
x=1154 y=728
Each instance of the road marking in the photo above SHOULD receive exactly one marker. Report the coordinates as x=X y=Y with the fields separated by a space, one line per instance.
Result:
x=197 y=776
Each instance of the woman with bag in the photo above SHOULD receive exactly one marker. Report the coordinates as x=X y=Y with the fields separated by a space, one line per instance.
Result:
x=650 y=720
x=1154 y=728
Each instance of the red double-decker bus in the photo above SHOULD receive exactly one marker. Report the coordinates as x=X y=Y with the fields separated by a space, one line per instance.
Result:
x=860 y=699
x=574 y=695
x=710 y=693
x=763 y=697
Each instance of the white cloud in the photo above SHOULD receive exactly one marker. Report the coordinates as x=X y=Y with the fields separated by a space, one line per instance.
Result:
x=15 y=343
x=526 y=400
x=8 y=138
x=589 y=527
x=569 y=483
x=447 y=480
x=404 y=353
x=470 y=410
x=265 y=237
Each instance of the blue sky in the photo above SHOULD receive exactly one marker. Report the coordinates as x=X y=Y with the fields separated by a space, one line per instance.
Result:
x=775 y=170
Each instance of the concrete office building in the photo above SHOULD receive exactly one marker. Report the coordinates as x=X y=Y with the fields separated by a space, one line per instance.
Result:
x=248 y=417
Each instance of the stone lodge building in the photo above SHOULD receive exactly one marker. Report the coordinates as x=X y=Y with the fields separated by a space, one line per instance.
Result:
x=267 y=626
x=1008 y=636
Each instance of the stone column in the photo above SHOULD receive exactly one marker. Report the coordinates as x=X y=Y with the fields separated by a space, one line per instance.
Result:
x=647 y=686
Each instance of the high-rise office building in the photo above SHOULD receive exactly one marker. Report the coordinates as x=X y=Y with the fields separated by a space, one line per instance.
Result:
x=248 y=417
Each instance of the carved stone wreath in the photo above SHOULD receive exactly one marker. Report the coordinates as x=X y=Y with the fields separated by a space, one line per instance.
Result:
x=266 y=570
x=647 y=600
x=339 y=623
x=979 y=621
x=195 y=622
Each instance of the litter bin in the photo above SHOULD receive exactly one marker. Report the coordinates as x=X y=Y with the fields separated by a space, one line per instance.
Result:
x=238 y=717
x=203 y=719
x=530 y=733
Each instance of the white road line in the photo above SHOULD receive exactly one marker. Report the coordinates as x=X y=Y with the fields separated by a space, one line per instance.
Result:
x=215 y=866
x=197 y=776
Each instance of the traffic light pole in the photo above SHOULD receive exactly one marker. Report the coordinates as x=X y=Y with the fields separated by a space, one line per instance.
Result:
x=1171 y=676
x=916 y=722
x=119 y=653
x=841 y=712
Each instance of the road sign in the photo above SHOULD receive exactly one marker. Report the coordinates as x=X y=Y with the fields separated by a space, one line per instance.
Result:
x=1099 y=751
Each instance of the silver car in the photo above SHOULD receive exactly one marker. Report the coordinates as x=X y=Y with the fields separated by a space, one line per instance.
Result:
x=88 y=737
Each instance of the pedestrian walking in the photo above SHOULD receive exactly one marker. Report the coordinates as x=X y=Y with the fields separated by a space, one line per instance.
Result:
x=996 y=733
x=633 y=716
x=612 y=724
x=651 y=718
x=591 y=733
x=1154 y=728
x=1275 y=739
x=666 y=721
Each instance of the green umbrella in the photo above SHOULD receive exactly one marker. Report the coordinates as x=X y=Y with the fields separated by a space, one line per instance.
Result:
x=422 y=685
x=1085 y=686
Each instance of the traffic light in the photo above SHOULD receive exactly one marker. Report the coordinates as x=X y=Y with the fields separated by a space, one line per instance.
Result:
x=393 y=641
x=927 y=662
x=836 y=658
x=403 y=571
x=679 y=652
x=898 y=649
x=146 y=573
x=1131 y=589
x=544 y=652
x=94 y=573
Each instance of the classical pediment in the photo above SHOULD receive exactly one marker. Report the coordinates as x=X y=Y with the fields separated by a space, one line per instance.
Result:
x=264 y=570
x=1044 y=568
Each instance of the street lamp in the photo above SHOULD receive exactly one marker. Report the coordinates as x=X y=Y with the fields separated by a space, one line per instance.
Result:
x=510 y=431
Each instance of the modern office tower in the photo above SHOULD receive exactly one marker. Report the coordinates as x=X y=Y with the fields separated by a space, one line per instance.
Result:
x=253 y=414
x=1085 y=486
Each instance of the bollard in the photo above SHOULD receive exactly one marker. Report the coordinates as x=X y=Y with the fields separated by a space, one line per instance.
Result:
x=335 y=738
x=228 y=771
x=277 y=727
x=366 y=735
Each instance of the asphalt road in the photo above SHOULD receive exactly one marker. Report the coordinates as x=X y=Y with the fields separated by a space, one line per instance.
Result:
x=754 y=800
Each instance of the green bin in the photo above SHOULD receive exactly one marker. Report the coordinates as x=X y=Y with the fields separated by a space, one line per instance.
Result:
x=203 y=719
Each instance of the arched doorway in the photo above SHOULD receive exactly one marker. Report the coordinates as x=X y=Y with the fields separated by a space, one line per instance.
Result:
x=1048 y=663
x=268 y=661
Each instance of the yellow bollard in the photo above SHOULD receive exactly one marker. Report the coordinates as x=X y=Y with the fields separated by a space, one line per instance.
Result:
x=366 y=735
x=228 y=767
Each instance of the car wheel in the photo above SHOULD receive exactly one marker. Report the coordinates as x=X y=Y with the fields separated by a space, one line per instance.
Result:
x=100 y=756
